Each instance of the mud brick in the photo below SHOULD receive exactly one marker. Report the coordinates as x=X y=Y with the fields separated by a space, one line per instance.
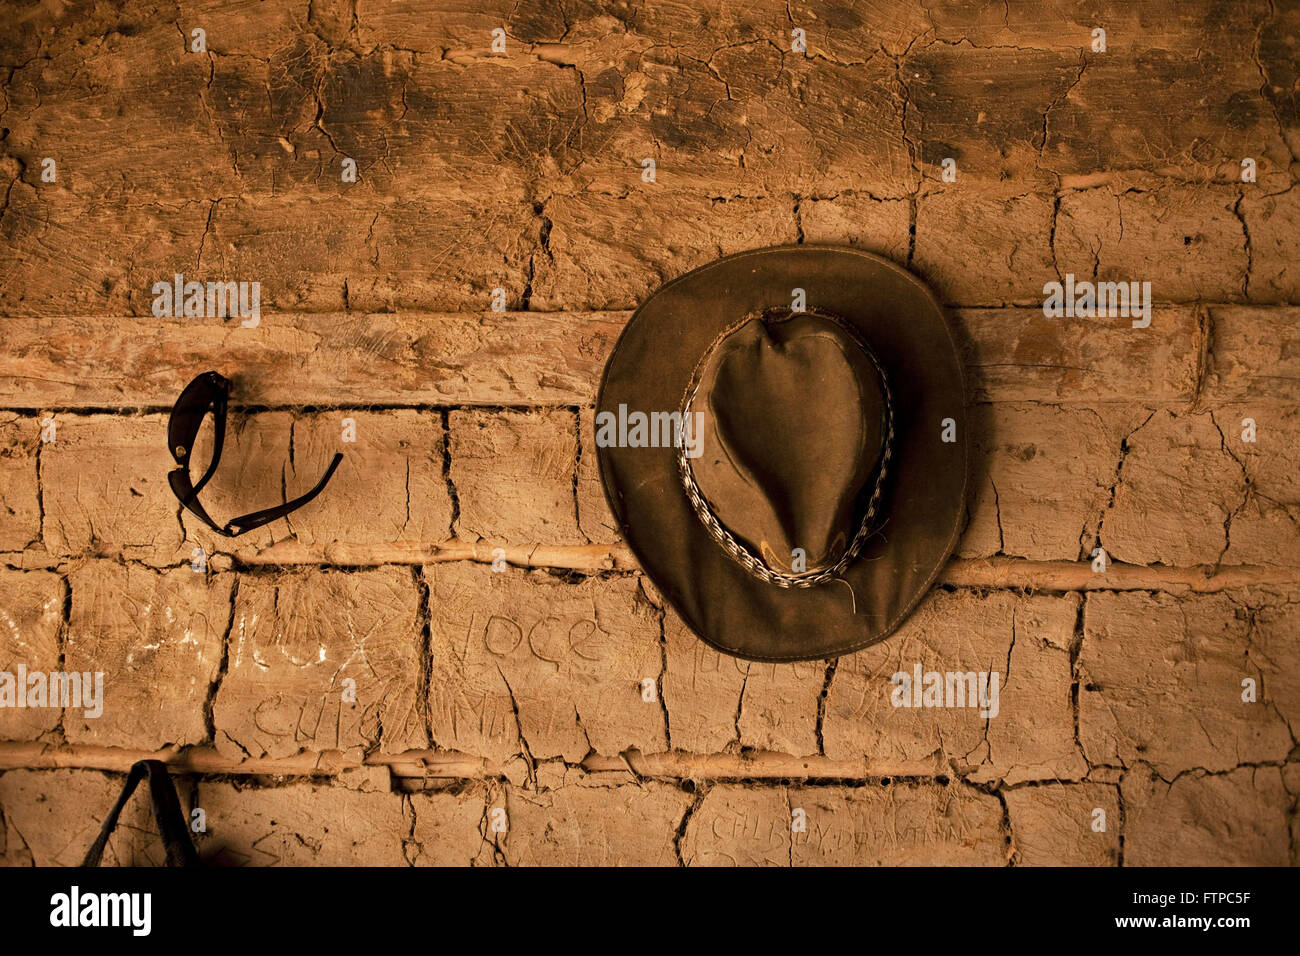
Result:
x=1273 y=617
x=389 y=486
x=1160 y=681
x=1176 y=485
x=715 y=701
x=609 y=252
x=448 y=827
x=846 y=34
x=104 y=483
x=301 y=824
x=1186 y=241
x=1026 y=640
x=897 y=825
x=298 y=640
x=1040 y=478
x=1278 y=66
x=985 y=109
x=479 y=247
x=343 y=359
x=31 y=612
x=1021 y=355
x=91 y=257
x=738 y=825
x=778 y=706
x=254 y=473
x=276 y=141
x=1252 y=357
x=339 y=359
x=530 y=663
x=1265 y=528
x=722 y=118
x=245 y=27
x=372 y=255
x=514 y=475
x=158 y=638
x=701 y=691
x=260 y=89
x=20 y=507
x=346 y=359
x=1053 y=824
x=692 y=31
x=803 y=124
x=1238 y=818
x=1272 y=223
x=466 y=26
x=382 y=109
x=454 y=358
x=585 y=823
x=13 y=852
x=1159 y=60
x=55 y=815
x=980 y=251
x=89 y=101
x=875 y=225
x=1064 y=25
x=594 y=517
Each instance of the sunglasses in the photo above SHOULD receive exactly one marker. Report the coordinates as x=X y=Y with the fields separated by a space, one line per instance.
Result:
x=210 y=392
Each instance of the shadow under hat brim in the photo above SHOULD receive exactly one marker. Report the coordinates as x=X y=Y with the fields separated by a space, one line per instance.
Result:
x=924 y=495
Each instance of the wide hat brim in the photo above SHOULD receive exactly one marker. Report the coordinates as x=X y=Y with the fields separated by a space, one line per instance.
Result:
x=925 y=489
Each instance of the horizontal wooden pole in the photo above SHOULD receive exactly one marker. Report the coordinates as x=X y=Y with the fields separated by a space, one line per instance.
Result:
x=18 y=754
x=999 y=572
x=588 y=557
x=1079 y=576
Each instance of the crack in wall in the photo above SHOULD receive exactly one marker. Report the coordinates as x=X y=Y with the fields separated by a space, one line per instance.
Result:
x=424 y=685
x=223 y=668
x=1247 y=490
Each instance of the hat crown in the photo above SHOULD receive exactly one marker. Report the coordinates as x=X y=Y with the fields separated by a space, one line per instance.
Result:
x=793 y=428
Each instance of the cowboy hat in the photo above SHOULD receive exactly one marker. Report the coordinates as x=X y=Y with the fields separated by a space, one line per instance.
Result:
x=782 y=439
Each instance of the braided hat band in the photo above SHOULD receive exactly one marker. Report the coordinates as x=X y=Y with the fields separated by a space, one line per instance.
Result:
x=734 y=549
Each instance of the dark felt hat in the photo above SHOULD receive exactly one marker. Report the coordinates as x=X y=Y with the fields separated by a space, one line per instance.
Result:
x=782 y=439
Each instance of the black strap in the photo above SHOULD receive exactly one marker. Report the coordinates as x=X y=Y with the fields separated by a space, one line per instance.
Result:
x=167 y=814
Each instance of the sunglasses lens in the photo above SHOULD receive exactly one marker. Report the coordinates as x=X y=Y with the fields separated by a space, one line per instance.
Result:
x=182 y=487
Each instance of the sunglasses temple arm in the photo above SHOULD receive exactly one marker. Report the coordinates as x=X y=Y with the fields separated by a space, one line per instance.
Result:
x=258 y=518
x=320 y=485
